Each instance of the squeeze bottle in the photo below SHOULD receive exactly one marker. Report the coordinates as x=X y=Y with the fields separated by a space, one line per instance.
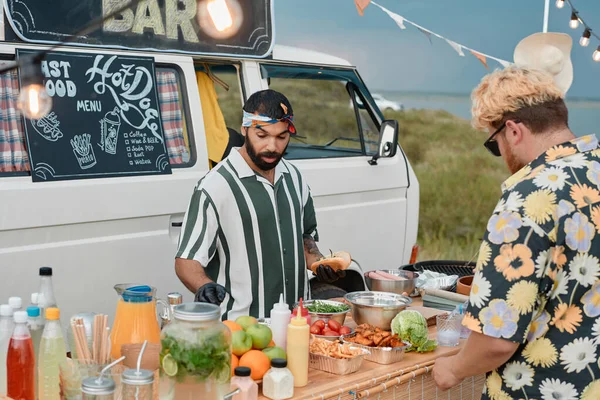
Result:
x=280 y=319
x=298 y=336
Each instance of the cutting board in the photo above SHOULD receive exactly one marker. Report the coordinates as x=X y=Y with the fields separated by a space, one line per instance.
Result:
x=430 y=314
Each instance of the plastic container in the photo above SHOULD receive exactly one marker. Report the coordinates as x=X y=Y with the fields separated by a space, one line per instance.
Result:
x=137 y=385
x=298 y=339
x=280 y=318
x=51 y=356
x=278 y=382
x=195 y=332
x=46 y=296
x=6 y=329
x=20 y=361
x=100 y=388
x=242 y=380
x=303 y=312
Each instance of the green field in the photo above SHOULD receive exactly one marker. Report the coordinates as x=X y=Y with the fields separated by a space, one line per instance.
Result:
x=459 y=180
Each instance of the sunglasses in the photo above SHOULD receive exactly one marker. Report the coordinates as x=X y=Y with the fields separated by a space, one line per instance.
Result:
x=491 y=144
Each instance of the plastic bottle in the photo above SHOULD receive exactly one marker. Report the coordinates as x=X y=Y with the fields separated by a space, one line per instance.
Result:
x=297 y=349
x=248 y=388
x=51 y=355
x=6 y=329
x=16 y=303
x=34 y=299
x=35 y=324
x=280 y=318
x=303 y=312
x=46 y=294
x=20 y=361
x=278 y=382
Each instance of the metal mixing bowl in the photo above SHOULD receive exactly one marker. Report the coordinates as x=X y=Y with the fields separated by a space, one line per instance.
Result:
x=339 y=316
x=407 y=285
x=376 y=308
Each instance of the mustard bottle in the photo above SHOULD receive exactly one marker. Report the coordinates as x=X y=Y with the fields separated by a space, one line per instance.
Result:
x=298 y=336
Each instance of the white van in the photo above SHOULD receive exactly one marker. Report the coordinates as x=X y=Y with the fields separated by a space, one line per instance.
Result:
x=96 y=233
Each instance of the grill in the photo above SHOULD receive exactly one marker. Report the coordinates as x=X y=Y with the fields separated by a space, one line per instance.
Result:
x=448 y=267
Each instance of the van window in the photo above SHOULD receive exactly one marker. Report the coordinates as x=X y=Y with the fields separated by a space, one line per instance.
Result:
x=328 y=122
x=13 y=152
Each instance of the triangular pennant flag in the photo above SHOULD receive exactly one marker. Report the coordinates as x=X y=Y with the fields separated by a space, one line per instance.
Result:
x=361 y=5
x=481 y=58
x=504 y=63
x=457 y=47
x=399 y=20
x=426 y=33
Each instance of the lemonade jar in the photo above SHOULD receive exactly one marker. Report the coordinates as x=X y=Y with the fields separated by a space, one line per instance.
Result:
x=196 y=354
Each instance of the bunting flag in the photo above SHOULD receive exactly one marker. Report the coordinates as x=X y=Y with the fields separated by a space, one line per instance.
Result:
x=481 y=58
x=361 y=5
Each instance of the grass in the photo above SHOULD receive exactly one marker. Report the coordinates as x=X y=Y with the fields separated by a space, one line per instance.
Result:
x=459 y=180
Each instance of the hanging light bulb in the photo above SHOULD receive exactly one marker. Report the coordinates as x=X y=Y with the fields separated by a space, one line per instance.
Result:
x=220 y=19
x=33 y=101
x=596 y=55
x=560 y=3
x=574 y=20
x=585 y=38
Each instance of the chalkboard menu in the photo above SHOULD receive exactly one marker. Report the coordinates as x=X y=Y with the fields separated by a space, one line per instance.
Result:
x=184 y=26
x=105 y=119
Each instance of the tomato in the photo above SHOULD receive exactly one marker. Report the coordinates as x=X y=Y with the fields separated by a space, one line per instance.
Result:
x=320 y=323
x=328 y=332
x=315 y=330
x=344 y=330
x=334 y=325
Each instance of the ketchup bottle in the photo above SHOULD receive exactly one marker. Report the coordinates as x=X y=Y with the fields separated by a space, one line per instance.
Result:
x=303 y=312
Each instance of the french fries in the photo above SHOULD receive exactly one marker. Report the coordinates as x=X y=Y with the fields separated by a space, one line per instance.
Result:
x=333 y=349
x=81 y=144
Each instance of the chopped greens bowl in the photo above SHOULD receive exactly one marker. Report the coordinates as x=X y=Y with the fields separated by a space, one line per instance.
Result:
x=326 y=310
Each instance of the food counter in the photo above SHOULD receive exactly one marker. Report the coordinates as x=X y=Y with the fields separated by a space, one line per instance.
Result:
x=409 y=378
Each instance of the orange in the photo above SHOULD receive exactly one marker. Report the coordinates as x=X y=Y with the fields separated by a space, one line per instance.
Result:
x=233 y=326
x=235 y=362
x=271 y=344
x=257 y=361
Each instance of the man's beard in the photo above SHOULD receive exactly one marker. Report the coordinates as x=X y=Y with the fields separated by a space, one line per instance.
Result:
x=513 y=163
x=258 y=159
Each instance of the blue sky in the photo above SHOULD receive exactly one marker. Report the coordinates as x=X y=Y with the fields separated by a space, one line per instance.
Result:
x=393 y=59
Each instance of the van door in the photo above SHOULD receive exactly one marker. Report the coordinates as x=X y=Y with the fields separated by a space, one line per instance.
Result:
x=96 y=233
x=361 y=208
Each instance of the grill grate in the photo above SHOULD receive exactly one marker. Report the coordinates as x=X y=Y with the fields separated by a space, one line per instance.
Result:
x=448 y=267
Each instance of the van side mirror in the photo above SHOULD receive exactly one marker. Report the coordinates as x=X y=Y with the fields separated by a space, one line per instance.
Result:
x=388 y=141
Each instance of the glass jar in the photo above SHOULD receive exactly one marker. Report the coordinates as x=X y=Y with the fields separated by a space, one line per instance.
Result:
x=196 y=354
x=100 y=388
x=137 y=385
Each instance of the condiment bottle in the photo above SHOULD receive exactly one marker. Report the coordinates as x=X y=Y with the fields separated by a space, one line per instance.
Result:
x=20 y=361
x=280 y=318
x=303 y=312
x=297 y=349
x=98 y=388
x=278 y=382
x=243 y=381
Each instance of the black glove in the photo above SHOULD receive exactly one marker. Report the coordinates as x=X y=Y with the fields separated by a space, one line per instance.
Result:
x=326 y=274
x=211 y=293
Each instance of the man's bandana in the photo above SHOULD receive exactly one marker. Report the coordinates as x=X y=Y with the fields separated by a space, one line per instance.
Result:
x=259 y=120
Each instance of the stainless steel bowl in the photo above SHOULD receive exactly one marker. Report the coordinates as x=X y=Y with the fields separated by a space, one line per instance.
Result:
x=376 y=308
x=407 y=285
x=339 y=316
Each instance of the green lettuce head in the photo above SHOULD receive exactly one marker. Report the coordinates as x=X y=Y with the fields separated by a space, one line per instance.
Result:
x=411 y=327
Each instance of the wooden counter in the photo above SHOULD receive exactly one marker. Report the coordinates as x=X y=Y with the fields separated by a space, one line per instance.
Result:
x=395 y=378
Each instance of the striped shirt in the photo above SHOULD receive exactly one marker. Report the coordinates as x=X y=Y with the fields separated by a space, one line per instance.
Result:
x=248 y=234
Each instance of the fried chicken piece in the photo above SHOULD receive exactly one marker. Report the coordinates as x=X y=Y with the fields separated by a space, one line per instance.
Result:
x=365 y=341
x=395 y=342
x=385 y=342
x=380 y=336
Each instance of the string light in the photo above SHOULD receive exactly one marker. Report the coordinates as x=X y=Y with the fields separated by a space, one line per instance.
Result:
x=588 y=33
x=574 y=20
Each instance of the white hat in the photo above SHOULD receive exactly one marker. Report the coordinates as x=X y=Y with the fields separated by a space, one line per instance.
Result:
x=550 y=52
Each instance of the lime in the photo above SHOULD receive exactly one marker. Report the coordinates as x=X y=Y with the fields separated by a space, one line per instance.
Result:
x=169 y=365
x=223 y=375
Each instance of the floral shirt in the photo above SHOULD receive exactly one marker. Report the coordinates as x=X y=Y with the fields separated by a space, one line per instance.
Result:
x=536 y=280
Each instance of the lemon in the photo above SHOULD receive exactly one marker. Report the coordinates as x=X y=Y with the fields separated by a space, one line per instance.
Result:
x=169 y=365
x=223 y=375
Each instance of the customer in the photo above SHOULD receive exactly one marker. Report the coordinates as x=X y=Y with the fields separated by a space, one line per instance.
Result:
x=535 y=296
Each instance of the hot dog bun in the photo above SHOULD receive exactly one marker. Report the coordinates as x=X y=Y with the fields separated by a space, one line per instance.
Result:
x=337 y=261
